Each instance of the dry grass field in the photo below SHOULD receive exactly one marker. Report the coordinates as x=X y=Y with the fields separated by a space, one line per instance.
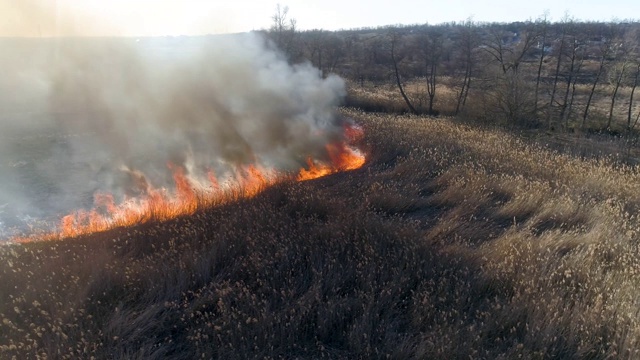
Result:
x=451 y=242
x=483 y=107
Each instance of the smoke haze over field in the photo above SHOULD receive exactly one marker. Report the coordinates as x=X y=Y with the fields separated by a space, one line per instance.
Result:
x=86 y=115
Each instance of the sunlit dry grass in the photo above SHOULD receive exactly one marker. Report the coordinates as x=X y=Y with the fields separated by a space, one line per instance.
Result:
x=451 y=242
x=387 y=99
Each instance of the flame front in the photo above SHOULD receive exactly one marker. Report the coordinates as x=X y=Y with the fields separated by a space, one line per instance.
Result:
x=158 y=204
x=343 y=158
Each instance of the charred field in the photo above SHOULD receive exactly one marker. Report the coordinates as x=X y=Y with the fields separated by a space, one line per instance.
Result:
x=450 y=242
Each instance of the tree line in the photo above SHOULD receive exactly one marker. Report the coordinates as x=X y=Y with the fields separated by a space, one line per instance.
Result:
x=567 y=74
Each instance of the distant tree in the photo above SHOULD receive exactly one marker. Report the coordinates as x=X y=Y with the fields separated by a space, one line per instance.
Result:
x=313 y=44
x=543 y=25
x=468 y=41
x=284 y=34
x=395 y=42
x=511 y=93
x=334 y=52
x=605 y=35
x=357 y=60
x=431 y=45
x=634 y=85
x=324 y=49
x=560 y=45
x=576 y=56
x=617 y=73
x=508 y=48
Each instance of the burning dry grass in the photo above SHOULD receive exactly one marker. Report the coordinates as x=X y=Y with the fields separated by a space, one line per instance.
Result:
x=189 y=196
x=451 y=242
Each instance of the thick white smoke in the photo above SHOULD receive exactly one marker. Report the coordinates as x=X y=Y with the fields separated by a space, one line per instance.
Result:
x=81 y=115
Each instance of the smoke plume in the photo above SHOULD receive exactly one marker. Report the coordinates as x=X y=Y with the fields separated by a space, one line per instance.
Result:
x=86 y=115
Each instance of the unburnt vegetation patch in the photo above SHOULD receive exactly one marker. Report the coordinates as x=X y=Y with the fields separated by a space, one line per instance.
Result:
x=451 y=242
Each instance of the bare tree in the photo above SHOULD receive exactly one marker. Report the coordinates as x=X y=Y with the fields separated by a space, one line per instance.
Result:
x=543 y=24
x=608 y=35
x=565 y=24
x=431 y=43
x=576 y=60
x=634 y=85
x=395 y=38
x=508 y=50
x=616 y=75
x=283 y=32
x=333 y=49
x=313 y=42
x=469 y=41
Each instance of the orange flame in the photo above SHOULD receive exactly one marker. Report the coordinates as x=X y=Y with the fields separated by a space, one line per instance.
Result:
x=343 y=158
x=188 y=197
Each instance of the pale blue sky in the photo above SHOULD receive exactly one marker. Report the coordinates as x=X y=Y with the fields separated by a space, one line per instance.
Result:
x=347 y=14
x=192 y=17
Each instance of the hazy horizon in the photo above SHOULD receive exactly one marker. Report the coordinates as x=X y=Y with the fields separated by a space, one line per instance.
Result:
x=146 y=18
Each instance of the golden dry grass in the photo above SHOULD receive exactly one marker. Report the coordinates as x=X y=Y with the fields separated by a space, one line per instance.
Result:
x=387 y=99
x=451 y=242
x=482 y=105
